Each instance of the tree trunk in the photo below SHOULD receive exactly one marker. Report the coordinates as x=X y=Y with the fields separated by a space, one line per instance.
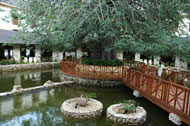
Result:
x=1 y=52
x=100 y=52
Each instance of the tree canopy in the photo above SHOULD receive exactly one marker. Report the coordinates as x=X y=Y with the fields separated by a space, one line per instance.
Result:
x=144 y=26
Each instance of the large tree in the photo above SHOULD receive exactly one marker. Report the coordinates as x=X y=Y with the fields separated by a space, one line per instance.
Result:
x=102 y=26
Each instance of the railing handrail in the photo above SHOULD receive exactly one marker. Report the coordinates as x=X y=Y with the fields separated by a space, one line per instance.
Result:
x=175 y=76
x=85 y=71
x=180 y=86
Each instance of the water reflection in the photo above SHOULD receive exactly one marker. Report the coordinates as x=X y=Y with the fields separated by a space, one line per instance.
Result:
x=24 y=102
x=27 y=101
x=28 y=78
x=7 y=107
x=43 y=96
x=29 y=119
x=25 y=76
x=18 y=102
x=51 y=92
x=17 y=80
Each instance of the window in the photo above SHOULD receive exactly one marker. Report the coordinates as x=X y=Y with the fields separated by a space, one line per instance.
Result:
x=15 y=20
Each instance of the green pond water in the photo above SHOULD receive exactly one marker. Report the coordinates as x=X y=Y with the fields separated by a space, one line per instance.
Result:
x=42 y=107
x=30 y=78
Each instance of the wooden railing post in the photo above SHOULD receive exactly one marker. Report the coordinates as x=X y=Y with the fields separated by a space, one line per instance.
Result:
x=137 y=80
x=141 y=66
x=174 y=76
x=165 y=92
x=123 y=73
x=149 y=85
x=153 y=71
x=128 y=76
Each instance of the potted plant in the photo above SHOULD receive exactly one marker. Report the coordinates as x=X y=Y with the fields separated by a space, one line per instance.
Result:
x=83 y=99
x=128 y=106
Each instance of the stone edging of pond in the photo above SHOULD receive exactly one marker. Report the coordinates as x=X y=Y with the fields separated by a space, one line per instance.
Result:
x=17 y=67
x=132 y=118
x=91 y=82
x=55 y=84
x=92 y=110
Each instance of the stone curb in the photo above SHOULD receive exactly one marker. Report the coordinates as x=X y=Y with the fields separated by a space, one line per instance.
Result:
x=17 y=67
x=55 y=84
x=91 y=82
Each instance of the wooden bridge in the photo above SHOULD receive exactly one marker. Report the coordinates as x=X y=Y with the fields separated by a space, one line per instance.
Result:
x=168 y=95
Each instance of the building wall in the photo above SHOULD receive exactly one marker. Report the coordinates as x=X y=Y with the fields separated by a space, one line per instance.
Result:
x=5 y=14
x=184 y=28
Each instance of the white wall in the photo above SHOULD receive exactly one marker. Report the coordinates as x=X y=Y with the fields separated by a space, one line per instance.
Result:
x=57 y=55
x=180 y=63
x=16 y=52
x=183 y=30
x=79 y=53
x=137 y=57
x=6 y=25
x=120 y=54
x=38 y=54
x=156 y=60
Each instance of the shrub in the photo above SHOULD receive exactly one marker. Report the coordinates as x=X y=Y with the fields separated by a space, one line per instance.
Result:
x=129 y=106
x=100 y=62
x=7 y=62
x=47 y=59
x=172 y=64
x=90 y=95
x=87 y=61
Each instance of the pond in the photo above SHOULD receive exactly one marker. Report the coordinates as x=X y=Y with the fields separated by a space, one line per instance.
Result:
x=30 y=78
x=42 y=108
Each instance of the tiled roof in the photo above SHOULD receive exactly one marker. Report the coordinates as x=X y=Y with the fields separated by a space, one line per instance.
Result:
x=187 y=39
x=10 y=2
x=6 y=36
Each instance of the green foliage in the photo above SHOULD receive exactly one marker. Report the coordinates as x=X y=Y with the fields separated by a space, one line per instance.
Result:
x=22 y=57
x=188 y=68
x=22 y=62
x=90 y=95
x=144 y=26
x=172 y=64
x=87 y=61
x=7 y=62
x=1 y=10
x=129 y=106
x=101 y=62
x=47 y=59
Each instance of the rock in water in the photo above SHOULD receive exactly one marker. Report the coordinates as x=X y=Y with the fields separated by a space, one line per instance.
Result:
x=175 y=119
x=17 y=89
x=48 y=83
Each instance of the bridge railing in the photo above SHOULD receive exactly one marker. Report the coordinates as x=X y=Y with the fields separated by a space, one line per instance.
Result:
x=169 y=96
x=92 y=71
x=171 y=75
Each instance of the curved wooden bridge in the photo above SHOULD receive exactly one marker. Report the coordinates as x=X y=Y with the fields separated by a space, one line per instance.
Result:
x=168 y=95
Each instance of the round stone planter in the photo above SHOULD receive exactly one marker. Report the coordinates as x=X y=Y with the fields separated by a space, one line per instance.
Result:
x=92 y=110
x=138 y=117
